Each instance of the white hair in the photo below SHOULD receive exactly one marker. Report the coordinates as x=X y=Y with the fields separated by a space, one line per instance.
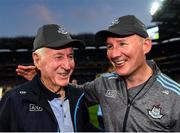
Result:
x=40 y=51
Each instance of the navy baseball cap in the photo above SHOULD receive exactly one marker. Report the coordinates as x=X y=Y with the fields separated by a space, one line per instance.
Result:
x=55 y=37
x=122 y=27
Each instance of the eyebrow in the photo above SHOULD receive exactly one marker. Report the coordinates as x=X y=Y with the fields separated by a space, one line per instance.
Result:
x=121 y=40
x=59 y=53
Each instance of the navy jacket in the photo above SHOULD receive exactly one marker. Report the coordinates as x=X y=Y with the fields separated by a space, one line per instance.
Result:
x=26 y=108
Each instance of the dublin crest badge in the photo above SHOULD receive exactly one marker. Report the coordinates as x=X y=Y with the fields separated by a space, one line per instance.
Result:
x=155 y=112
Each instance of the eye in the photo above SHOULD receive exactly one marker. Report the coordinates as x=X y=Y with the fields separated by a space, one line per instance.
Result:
x=71 y=56
x=123 y=44
x=109 y=46
x=58 y=57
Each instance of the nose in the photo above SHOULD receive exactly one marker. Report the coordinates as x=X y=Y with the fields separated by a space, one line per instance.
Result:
x=115 y=52
x=66 y=64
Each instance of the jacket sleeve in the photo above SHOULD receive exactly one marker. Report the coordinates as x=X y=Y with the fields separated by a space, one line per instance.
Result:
x=177 y=115
x=91 y=92
x=6 y=115
x=178 y=125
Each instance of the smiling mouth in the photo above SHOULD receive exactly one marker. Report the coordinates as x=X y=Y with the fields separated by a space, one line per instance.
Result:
x=64 y=75
x=118 y=62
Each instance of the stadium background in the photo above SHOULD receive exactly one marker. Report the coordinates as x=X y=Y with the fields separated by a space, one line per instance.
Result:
x=92 y=60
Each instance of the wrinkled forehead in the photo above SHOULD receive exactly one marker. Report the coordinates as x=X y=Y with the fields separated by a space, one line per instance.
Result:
x=67 y=50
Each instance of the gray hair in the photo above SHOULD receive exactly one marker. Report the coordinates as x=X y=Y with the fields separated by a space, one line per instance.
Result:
x=40 y=51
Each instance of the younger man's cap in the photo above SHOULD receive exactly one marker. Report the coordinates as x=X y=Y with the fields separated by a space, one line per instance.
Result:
x=121 y=27
x=55 y=37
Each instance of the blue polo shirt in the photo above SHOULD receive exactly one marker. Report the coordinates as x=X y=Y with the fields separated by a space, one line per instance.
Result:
x=61 y=109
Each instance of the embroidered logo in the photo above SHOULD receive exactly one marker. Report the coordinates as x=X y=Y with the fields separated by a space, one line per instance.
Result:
x=115 y=21
x=62 y=30
x=22 y=92
x=155 y=112
x=165 y=92
x=111 y=93
x=33 y=107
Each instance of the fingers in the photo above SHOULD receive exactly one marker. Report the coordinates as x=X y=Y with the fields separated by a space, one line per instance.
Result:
x=26 y=68
x=28 y=72
x=23 y=70
x=21 y=73
x=24 y=74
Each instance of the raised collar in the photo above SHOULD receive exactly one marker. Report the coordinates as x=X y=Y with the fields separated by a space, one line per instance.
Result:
x=45 y=91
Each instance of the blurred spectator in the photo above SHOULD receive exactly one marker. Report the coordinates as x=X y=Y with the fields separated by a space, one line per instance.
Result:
x=74 y=81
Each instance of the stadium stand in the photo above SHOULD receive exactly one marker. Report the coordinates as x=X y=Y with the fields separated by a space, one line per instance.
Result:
x=89 y=62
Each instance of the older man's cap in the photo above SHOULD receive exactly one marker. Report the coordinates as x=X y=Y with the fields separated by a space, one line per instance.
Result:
x=55 y=36
x=121 y=27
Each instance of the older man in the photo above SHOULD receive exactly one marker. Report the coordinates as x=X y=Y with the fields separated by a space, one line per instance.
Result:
x=48 y=103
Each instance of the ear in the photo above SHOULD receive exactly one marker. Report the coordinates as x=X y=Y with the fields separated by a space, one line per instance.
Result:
x=147 y=45
x=36 y=60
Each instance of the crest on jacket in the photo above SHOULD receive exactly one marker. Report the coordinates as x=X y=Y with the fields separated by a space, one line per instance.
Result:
x=155 y=112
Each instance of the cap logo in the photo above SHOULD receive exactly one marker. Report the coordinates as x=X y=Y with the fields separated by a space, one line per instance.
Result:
x=62 y=30
x=115 y=21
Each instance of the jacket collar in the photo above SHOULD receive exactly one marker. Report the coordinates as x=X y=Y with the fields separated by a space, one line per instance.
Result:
x=121 y=82
x=41 y=89
x=45 y=91
x=69 y=94
x=40 y=95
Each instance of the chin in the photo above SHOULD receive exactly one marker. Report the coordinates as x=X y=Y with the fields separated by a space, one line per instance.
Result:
x=63 y=82
x=121 y=73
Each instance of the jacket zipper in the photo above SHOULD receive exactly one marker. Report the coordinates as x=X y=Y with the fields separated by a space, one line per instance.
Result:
x=126 y=116
x=129 y=103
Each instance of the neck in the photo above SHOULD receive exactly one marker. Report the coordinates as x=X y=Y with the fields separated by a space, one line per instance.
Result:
x=139 y=77
x=54 y=88
x=62 y=94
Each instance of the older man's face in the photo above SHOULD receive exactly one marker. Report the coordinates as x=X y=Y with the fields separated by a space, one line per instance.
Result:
x=56 y=66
